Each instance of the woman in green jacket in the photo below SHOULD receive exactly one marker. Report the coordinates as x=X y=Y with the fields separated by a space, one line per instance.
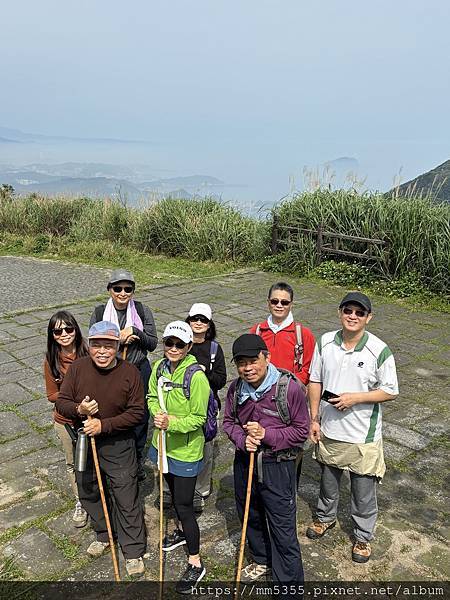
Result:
x=181 y=420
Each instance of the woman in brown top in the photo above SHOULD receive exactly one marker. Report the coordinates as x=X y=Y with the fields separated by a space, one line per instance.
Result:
x=65 y=344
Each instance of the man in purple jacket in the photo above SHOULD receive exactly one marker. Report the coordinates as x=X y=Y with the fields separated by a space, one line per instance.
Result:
x=254 y=423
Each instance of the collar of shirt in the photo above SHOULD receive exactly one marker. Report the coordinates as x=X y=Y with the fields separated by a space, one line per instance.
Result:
x=276 y=328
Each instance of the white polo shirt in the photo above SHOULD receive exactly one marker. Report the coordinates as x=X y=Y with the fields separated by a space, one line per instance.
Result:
x=369 y=366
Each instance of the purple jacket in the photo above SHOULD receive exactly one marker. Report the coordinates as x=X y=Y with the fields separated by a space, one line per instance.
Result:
x=279 y=436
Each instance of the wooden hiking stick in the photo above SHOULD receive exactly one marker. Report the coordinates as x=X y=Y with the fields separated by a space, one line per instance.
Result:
x=245 y=521
x=161 y=515
x=124 y=354
x=105 y=508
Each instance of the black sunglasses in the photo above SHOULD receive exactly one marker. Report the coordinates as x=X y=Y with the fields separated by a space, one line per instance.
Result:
x=358 y=312
x=58 y=330
x=128 y=289
x=276 y=301
x=171 y=344
x=200 y=318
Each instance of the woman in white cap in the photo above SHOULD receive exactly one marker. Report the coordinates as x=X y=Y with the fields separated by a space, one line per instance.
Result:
x=209 y=355
x=178 y=400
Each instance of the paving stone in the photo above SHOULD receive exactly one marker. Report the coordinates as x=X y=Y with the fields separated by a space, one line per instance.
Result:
x=25 y=319
x=63 y=525
x=16 y=489
x=405 y=437
x=34 y=384
x=7 y=368
x=5 y=357
x=12 y=393
x=18 y=447
x=10 y=426
x=36 y=406
x=37 y=556
x=40 y=505
x=26 y=464
x=36 y=351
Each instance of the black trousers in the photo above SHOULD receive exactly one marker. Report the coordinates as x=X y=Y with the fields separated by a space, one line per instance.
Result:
x=141 y=430
x=272 y=520
x=182 y=491
x=117 y=460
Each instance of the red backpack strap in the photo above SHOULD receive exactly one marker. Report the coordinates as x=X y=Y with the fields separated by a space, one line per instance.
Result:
x=258 y=329
x=298 y=349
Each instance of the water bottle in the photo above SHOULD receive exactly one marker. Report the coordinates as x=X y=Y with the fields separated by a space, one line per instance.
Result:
x=81 y=450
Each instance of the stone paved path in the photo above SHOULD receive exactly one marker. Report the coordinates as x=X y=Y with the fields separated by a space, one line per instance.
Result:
x=35 y=504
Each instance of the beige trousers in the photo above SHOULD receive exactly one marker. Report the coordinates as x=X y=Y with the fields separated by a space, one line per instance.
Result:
x=67 y=445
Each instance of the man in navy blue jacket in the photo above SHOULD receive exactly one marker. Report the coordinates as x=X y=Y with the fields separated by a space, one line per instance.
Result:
x=254 y=422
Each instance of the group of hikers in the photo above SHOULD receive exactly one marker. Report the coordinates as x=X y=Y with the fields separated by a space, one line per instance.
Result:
x=288 y=387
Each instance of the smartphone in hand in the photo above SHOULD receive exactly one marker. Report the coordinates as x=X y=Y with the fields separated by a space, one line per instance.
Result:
x=329 y=396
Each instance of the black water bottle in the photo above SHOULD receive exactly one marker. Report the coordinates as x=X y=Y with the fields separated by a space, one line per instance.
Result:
x=81 y=450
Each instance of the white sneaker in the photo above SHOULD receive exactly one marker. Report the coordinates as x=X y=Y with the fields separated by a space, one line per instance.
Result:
x=135 y=566
x=97 y=548
x=80 y=516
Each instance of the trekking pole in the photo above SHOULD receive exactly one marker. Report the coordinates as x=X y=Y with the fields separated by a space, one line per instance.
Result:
x=124 y=354
x=161 y=515
x=245 y=521
x=105 y=508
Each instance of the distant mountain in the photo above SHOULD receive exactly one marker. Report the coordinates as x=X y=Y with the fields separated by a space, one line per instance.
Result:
x=91 y=186
x=189 y=182
x=15 y=135
x=344 y=163
x=435 y=183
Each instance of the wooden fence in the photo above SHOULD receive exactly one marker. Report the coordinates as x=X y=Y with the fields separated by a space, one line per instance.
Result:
x=330 y=243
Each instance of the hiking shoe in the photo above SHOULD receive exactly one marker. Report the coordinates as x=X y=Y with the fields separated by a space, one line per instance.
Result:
x=190 y=579
x=318 y=529
x=173 y=540
x=97 y=548
x=199 y=503
x=80 y=516
x=253 y=572
x=135 y=567
x=361 y=552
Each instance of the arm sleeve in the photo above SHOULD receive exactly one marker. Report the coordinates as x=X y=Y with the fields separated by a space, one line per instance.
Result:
x=134 y=410
x=148 y=338
x=218 y=376
x=198 y=403
x=94 y=317
x=297 y=431
x=152 y=396
x=309 y=343
x=315 y=370
x=234 y=431
x=51 y=387
x=66 y=403
x=387 y=377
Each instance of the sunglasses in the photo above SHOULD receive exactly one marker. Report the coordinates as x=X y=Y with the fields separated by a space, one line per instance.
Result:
x=358 y=312
x=59 y=330
x=276 y=301
x=171 y=344
x=128 y=289
x=200 y=318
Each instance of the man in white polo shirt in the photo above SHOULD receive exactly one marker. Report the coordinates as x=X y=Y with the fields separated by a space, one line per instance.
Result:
x=352 y=373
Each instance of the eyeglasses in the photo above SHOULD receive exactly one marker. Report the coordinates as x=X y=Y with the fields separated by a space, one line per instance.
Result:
x=276 y=301
x=128 y=289
x=171 y=344
x=200 y=318
x=358 y=312
x=59 y=330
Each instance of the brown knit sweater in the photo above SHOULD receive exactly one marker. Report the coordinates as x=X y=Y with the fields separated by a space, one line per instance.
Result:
x=118 y=391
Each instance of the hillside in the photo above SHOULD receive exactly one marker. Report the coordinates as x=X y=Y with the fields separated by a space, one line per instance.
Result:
x=435 y=182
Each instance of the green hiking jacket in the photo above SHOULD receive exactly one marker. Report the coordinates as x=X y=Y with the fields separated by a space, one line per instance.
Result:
x=184 y=436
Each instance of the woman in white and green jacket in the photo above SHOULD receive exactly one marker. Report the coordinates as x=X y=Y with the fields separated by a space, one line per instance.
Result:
x=181 y=420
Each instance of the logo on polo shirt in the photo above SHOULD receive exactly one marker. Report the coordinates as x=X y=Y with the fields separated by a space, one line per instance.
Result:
x=360 y=365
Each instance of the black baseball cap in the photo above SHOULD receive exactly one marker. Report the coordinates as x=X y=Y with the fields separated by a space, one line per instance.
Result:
x=248 y=345
x=357 y=298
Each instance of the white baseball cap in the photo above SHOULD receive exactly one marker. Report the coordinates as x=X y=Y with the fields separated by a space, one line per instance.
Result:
x=200 y=308
x=178 y=329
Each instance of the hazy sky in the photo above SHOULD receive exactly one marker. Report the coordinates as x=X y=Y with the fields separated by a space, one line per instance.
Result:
x=232 y=87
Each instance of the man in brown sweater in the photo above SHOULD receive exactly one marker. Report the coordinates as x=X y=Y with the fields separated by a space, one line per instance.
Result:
x=109 y=390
